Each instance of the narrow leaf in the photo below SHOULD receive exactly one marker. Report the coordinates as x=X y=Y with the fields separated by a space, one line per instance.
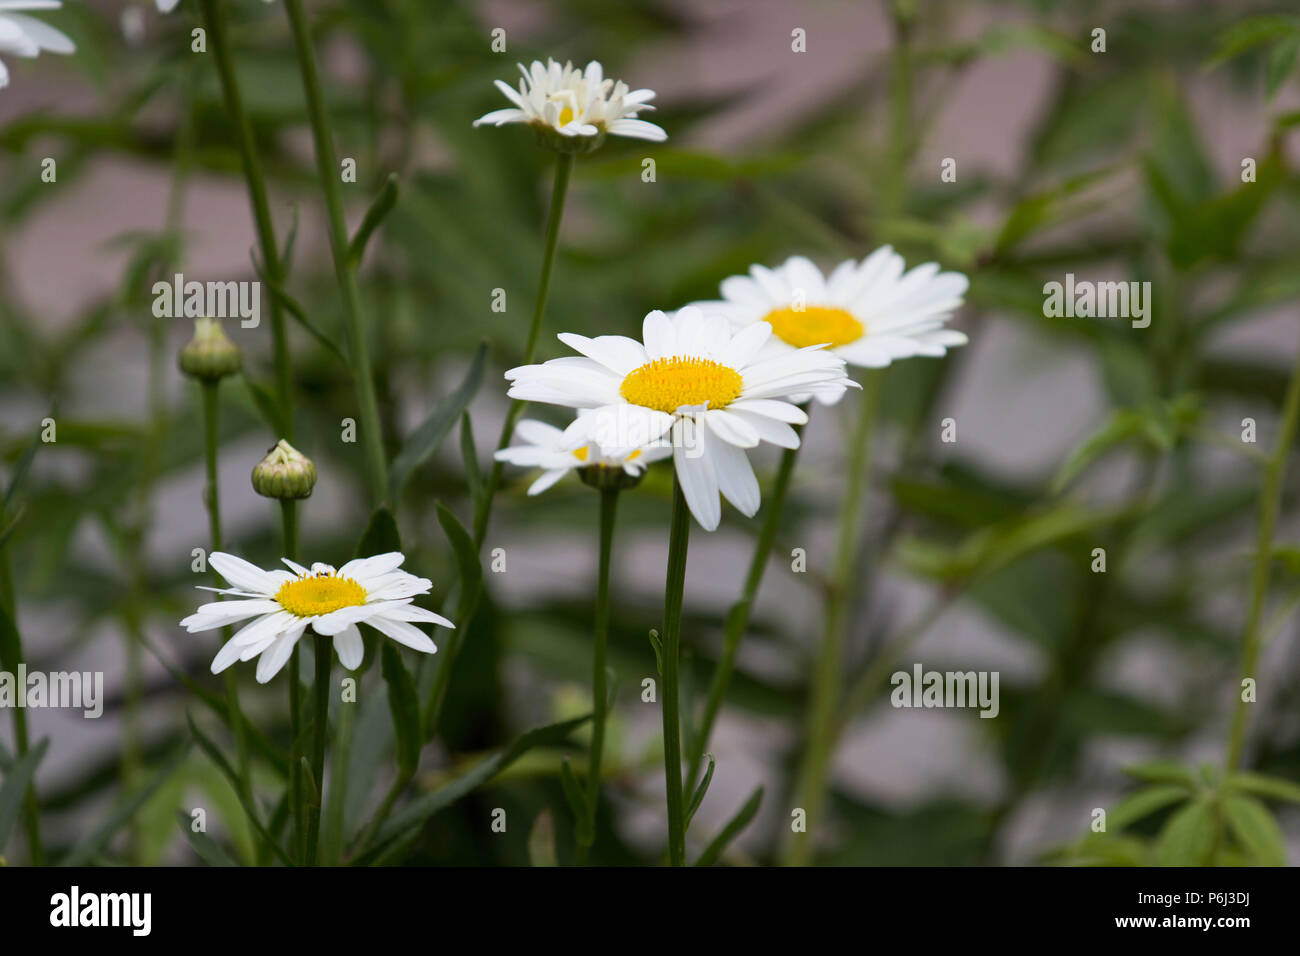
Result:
x=380 y=208
x=1188 y=837
x=405 y=708
x=1256 y=830
x=427 y=438
x=713 y=852
x=700 y=791
x=208 y=849
x=17 y=779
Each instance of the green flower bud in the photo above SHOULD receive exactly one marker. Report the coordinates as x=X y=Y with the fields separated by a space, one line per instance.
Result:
x=210 y=356
x=551 y=138
x=609 y=477
x=285 y=473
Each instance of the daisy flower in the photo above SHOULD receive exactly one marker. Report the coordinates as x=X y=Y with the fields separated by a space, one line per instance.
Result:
x=282 y=603
x=548 y=448
x=696 y=378
x=578 y=105
x=26 y=36
x=870 y=313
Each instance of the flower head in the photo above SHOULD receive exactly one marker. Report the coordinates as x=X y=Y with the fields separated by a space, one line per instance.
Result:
x=571 y=109
x=26 y=36
x=210 y=356
x=285 y=473
x=695 y=380
x=546 y=447
x=870 y=313
x=333 y=602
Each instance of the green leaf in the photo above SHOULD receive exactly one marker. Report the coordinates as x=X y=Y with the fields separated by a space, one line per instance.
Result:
x=16 y=781
x=467 y=560
x=208 y=849
x=658 y=646
x=21 y=471
x=266 y=406
x=1162 y=771
x=1256 y=830
x=380 y=208
x=469 y=460
x=714 y=850
x=381 y=535
x=1280 y=62
x=1187 y=837
x=407 y=821
x=1142 y=803
x=215 y=755
x=89 y=848
x=1252 y=32
x=700 y=791
x=1260 y=785
x=405 y=708
x=1122 y=426
x=577 y=801
x=426 y=439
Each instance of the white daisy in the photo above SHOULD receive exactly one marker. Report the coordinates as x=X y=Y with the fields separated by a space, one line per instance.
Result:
x=693 y=377
x=548 y=448
x=26 y=36
x=870 y=313
x=575 y=103
x=282 y=603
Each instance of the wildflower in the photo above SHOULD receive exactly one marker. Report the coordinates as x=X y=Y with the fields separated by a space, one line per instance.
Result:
x=26 y=36
x=695 y=378
x=333 y=602
x=547 y=448
x=572 y=110
x=869 y=313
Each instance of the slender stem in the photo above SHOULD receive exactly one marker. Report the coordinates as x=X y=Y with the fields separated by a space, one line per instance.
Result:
x=468 y=603
x=674 y=588
x=327 y=164
x=826 y=690
x=1269 y=501
x=215 y=20
x=320 y=733
x=738 y=616
x=563 y=169
x=599 y=691
x=31 y=807
x=289 y=517
x=210 y=391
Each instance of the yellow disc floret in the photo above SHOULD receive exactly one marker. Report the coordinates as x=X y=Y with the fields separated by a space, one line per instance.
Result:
x=814 y=325
x=667 y=384
x=309 y=596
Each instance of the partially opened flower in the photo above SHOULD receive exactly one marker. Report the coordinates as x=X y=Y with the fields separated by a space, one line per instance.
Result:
x=333 y=602
x=548 y=448
x=692 y=377
x=870 y=313
x=26 y=36
x=573 y=109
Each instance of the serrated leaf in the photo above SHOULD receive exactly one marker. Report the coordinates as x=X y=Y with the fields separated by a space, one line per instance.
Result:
x=427 y=438
x=713 y=852
x=1256 y=830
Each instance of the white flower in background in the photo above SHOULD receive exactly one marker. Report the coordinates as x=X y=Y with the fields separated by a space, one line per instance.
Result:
x=548 y=448
x=575 y=103
x=282 y=603
x=26 y=36
x=869 y=313
x=696 y=378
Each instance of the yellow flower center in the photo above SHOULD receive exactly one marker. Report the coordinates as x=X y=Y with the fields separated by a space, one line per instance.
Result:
x=582 y=453
x=319 y=594
x=815 y=325
x=667 y=384
x=566 y=116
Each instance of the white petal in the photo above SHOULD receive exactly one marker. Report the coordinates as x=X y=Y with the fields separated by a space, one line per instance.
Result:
x=349 y=646
x=241 y=574
x=277 y=655
x=735 y=477
x=696 y=476
x=404 y=633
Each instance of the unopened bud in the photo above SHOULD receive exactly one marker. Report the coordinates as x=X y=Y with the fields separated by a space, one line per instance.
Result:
x=285 y=473
x=210 y=356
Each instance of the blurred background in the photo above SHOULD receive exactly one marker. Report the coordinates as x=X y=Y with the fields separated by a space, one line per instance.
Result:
x=1072 y=433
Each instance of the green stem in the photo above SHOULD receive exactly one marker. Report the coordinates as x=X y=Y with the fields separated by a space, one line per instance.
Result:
x=327 y=164
x=215 y=20
x=31 y=807
x=563 y=170
x=738 y=616
x=599 y=691
x=212 y=498
x=674 y=588
x=320 y=732
x=289 y=518
x=826 y=689
x=1269 y=502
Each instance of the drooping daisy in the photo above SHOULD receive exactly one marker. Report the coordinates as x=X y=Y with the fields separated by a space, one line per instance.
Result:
x=26 y=36
x=283 y=603
x=870 y=313
x=692 y=377
x=548 y=448
x=581 y=105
